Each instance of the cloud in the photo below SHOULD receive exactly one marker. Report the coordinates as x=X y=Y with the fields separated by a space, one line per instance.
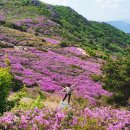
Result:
x=110 y=3
x=56 y=2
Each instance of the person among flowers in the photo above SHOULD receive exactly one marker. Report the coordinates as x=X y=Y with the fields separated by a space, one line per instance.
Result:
x=68 y=90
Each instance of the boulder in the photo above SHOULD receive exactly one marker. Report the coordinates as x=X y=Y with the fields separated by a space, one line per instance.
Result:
x=4 y=44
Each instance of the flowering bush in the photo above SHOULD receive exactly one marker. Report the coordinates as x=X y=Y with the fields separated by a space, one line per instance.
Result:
x=51 y=40
x=96 y=119
x=53 y=70
x=41 y=26
x=6 y=38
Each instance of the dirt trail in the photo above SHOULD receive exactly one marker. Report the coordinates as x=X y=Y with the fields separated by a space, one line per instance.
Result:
x=53 y=101
x=50 y=104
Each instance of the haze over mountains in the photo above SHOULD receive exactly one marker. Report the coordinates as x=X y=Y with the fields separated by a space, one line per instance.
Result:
x=123 y=25
x=126 y=20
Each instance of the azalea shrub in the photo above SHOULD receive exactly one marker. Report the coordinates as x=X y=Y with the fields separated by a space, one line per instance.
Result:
x=96 y=78
x=40 y=26
x=104 y=118
x=64 y=44
x=52 y=70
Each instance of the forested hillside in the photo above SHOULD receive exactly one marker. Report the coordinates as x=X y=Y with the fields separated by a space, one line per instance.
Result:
x=63 y=22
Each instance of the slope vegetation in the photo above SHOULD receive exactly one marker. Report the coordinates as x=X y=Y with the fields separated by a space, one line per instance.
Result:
x=63 y=22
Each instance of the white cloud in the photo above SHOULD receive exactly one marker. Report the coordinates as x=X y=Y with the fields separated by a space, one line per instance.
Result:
x=110 y=3
x=56 y=2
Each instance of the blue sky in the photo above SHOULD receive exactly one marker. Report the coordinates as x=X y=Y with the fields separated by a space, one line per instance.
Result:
x=98 y=10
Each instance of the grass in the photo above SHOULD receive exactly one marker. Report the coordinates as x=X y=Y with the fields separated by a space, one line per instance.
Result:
x=27 y=98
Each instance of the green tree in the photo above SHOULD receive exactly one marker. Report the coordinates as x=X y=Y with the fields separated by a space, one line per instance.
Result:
x=117 y=79
x=5 y=83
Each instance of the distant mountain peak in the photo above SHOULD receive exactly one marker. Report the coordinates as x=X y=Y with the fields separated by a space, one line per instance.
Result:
x=122 y=25
x=127 y=20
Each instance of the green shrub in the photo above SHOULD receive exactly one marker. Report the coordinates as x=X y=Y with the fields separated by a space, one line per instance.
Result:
x=16 y=97
x=16 y=85
x=25 y=2
x=75 y=67
x=36 y=92
x=104 y=57
x=115 y=48
x=8 y=24
x=91 y=52
x=2 y=22
x=5 y=85
x=27 y=99
x=115 y=100
x=95 y=77
x=64 y=44
x=91 y=124
x=27 y=103
x=117 y=79
x=80 y=102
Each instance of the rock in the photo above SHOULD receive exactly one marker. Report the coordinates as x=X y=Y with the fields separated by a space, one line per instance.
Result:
x=82 y=51
x=26 y=100
x=64 y=105
x=21 y=48
x=4 y=44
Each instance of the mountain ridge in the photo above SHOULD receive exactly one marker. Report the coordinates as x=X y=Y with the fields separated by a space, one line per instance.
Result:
x=122 y=25
x=126 y=20
x=72 y=27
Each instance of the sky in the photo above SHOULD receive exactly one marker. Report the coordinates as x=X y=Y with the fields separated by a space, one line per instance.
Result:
x=97 y=10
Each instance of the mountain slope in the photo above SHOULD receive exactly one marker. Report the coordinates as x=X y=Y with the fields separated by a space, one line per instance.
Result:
x=64 y=23
x=127 y=20
x=31 y=36
x=124 y=26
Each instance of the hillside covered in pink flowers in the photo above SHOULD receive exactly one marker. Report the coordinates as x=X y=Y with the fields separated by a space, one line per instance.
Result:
x=44 y=48
x=51 y=70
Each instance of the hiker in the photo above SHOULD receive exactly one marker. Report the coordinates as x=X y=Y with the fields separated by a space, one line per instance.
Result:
x=68 y=90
